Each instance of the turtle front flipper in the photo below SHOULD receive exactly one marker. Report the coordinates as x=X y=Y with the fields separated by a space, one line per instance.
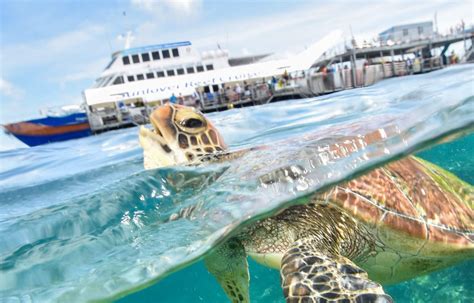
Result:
x=309 y=275
x=228 y=264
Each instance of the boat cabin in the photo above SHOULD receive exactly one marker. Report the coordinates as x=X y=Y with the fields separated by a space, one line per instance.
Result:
x=159 y=61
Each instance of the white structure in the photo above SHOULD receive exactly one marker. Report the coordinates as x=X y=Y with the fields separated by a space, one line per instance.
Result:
x=138 y=79
x=159 y=61
x=130 y=80
x=408 y=32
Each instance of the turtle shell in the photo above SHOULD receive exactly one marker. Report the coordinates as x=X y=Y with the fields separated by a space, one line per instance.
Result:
x=412 y=197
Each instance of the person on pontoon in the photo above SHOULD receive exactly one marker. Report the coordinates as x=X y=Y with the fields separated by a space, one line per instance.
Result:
x=173 y=99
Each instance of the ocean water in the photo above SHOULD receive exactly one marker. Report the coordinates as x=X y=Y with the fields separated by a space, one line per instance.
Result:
x=82 y=220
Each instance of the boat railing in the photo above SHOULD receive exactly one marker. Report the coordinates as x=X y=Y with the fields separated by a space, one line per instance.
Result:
x=252 y=93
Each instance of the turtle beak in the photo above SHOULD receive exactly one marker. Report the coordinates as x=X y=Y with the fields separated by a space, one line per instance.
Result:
x=156 y=150
x=153 y=134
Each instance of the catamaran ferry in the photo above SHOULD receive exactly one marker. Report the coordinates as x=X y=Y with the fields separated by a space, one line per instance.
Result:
x=138 y=79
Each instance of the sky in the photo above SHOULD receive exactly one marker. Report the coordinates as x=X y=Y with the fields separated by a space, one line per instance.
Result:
x=51 y=50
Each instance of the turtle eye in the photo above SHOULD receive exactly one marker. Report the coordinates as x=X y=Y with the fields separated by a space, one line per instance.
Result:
x=192 y=123
x=189 y=121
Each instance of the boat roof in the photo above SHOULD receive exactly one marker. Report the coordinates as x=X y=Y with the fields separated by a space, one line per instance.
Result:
x=142 y=49
x=408 y=25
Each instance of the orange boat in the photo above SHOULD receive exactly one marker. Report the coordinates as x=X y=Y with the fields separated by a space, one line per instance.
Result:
x=50 y=129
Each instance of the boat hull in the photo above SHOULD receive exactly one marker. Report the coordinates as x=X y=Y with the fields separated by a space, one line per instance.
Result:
x=50 y=129
x=34 y=140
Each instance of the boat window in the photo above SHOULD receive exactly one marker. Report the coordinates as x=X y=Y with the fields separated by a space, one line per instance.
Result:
x=101 y=82
x=145 y=57
x=215 y=88
x=207 y=89
x=140 y=77
x=180 y=71
x=200 y=68
x=126 y=60
x=175 y=52
x=130 y=78
x=160 y=74
x=209 y=67
x=170 y=73
x=135 y=59
x=107 y=81
x=156 y=55
x=190 y=70
x=166 y=53
x=118 y=80
x=150 y=75
x=111 y=62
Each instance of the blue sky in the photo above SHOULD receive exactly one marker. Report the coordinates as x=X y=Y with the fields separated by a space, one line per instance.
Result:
x=51 y=50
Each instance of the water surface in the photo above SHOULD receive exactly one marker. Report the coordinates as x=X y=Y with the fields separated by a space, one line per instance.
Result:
x=81 y=220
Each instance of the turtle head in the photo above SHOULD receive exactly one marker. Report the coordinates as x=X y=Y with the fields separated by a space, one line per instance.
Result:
x=180 y=135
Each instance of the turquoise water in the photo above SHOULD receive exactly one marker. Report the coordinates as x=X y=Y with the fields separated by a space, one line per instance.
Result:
x=81 y=220
x=195 y=284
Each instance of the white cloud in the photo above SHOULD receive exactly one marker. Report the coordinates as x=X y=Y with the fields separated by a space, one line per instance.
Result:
x=161 y=7
x=75 y=38
x=292 y=30
x=65 y=47
x=86 y=71
x=51 y=70
x=8 y=89
x=237 y=32
x=144 y=4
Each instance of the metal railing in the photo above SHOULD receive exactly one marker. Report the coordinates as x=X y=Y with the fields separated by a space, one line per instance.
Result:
x=322 y=83
x=255 y=93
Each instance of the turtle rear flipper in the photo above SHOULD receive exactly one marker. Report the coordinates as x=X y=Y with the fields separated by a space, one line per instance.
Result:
x=309 y=275
x=228 y=264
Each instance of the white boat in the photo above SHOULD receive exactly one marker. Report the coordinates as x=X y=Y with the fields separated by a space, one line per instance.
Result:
x=139 y=79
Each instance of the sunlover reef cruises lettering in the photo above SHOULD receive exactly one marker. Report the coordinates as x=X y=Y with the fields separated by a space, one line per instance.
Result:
x=149 y=91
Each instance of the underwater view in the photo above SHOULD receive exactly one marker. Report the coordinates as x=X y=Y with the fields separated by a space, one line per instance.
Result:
x=82 y=220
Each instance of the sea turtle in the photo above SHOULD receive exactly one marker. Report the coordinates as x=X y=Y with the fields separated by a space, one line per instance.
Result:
x=396 y=222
